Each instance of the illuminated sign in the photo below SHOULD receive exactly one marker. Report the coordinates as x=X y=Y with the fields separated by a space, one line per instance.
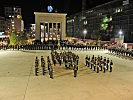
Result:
x=50 y=8
x=19 y=16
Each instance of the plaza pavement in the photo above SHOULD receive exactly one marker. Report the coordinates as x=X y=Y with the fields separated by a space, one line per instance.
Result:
x=18 y=82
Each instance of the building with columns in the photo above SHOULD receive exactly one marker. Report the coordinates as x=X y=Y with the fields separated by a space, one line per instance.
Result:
x=50 y=26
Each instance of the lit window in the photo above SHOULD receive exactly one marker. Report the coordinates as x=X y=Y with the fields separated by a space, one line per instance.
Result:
x=119 y=10
x=85 y=22
x=116 y=11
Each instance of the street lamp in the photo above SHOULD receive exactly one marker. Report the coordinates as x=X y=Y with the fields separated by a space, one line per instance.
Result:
x=121 y=37
x=73 y=28
x=120 y=33
x=84 y=32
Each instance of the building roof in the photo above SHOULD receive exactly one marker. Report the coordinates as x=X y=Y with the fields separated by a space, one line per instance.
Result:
x=49 y=13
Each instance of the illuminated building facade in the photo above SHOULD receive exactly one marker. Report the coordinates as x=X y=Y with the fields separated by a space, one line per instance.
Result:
x=3 y=38
x=2 y=24
x=14 y=21
x=104 y=21
x=50 y=26
x=12 y=11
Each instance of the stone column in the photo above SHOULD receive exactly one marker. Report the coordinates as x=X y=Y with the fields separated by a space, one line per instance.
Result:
x=41 y=31
x=48 y=31
x=38 y=35
x=56 y=30
x=44 y=31
x=52 y=30
x=63 y=28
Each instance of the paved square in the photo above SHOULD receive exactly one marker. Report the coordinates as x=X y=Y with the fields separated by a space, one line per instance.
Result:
x=18 y=82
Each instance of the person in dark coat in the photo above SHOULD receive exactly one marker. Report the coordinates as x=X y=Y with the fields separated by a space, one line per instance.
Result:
x=111 y=65
x=107 y=63
x=97 y=65
x=77 y=59
x=89 y=61
x=86 y=60
x=75 y=69
x=36 y=67
x=43 y=67
x=51 y=72
x=104 y=66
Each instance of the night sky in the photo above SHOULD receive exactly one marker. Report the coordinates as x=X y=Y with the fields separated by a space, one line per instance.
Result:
x=30 y=6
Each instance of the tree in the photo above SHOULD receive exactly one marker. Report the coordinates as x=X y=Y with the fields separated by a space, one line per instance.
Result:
x=19 y=39
x=105 y=27
x=13 y=39
x=22 y=39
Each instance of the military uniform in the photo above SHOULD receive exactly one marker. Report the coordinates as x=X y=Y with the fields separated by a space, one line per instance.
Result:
x=98 y=67
x=111 y=66
x=77 y=59
x=48 y=62
x=89 y=61
x=36 y=67
x=42 y=60
x=95 y=62
x=107 y=63
x=92 y=62
x=104 y=67
x=54 y=61
x=43 y=67
x=51 y=73
x=86 y=60
x=75 y=68
x=60 y=60
x=94 y=65
x=66 y=64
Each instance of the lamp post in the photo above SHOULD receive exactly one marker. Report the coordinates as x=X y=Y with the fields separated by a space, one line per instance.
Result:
x=121 y=38
x=73 y=28
x=84 y=32
x=120 y=33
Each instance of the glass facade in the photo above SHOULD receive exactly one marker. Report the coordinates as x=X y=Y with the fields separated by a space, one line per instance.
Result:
x=104 y=21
